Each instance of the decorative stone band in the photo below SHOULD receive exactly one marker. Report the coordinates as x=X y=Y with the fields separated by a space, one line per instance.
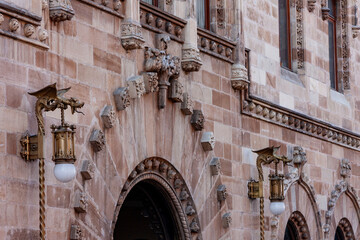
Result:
x=215 y=45
x=115 y=7
x=20 y=24
x=158 y=21
x=270 y=112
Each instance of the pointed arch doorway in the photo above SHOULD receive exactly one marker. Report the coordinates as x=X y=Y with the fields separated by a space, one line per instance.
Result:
x=155 y=204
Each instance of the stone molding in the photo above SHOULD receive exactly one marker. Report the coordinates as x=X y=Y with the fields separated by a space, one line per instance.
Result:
x=221 y=193
x=346 y=229
x=166 y=175
x=215 y=45
x=115 y=7
x=131 y=35
x=187 y=106
x=60 y=10
x=197 y=120
x=136 y=86
x=191 y=61
x=300 y=224
x=87 y=169
x=80 y=202
x=19 y=24
x=159 y=21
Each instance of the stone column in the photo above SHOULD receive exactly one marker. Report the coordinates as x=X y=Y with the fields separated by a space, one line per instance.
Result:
x=191 y=60
x=131 y=35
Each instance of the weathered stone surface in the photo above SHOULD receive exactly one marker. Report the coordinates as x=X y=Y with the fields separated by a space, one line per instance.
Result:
x=197 y=120
x=122 y=98
x=97 y=140
x=136 y=86
x=187 y=106
x=215 y=166
x=221 y=193
x=87 y=169
x=131 y=36
x=108 y=116
x=80 y=202
x=208 y=141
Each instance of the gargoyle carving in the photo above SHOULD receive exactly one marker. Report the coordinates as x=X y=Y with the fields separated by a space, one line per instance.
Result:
x=165 y=65
x=49 y=99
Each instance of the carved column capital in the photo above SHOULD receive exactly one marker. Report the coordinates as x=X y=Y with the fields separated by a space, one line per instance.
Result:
x=191 y=61
x=131 y=35
x=239 y=77
x=60 y=10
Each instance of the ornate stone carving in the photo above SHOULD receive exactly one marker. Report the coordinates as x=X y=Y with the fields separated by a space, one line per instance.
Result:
x=299 y=156
x=274 y=224
x=197 y=120
x=221 y=193
x=117 y=5
x=136 y=86
x=194 y=226
x=295 y=168
x=108 y=116
x=187 y=106
x=167 y=66
x=191 y=61
x=355 y=31
x=215 y=166
x=80 y=202
x=299 y=222
x=208 y=141
x=325 y=13
x=44 y=4
x=239 y=77
x=220 y=14
x=29 y=30
x=14 y=24
x=131 y=36
x=344 y=45
x=60 y=10
x=97 y=140
x=75 y=232
x=42 y=34
x=87 y=170
x=122 y=98
x=299 y=34
x=151 y=81
x=311 y=5
x=189 y=210
x=226 y=220
x=345 y=168
x=176 y=91
x=184 y=195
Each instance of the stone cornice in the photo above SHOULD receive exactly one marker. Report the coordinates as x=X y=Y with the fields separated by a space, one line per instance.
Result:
x=115 y=8
x=216 y=45
x=159 y=21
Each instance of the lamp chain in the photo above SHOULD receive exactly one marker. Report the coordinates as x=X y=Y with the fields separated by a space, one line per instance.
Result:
x=42 y=197
x=262 y=222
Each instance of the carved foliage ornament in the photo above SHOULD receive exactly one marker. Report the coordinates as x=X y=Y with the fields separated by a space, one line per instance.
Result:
x=161 y=171
x=122 y=98
x=131 y=36
x=60 y=10
x=239 y=77
x=191 y=61
x=108 y=116
x=97 y=140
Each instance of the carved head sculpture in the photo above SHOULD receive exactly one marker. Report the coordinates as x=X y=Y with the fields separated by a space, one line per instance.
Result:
x=345 y=168
x=163 y=41
x=299 y=156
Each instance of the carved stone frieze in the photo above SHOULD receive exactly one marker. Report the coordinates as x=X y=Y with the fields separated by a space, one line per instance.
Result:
x=60 y=10
x=215 y=166
x=75 y=232
x=42 y=34
x=122 y=98
x=345 y=168
x=226 y=220
x=87 y=170
x=311 y=5
x=136 y=86
x=187 y=106
x=176 y=90
x=108 y=116
x=151 y=81
x=197 y=120
x=97 y=140
x=208 y=141
x=131 y=36
x=80 y=202
x=191 y=61
x=221 y=193
x=239 y=77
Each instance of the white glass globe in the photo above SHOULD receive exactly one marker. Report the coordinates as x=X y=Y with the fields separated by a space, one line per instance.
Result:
x=64 y=172
x=277 y=208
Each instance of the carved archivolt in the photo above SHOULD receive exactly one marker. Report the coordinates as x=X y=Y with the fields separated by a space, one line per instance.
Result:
x=300 y=224
x=164 y=173
x=346 y=229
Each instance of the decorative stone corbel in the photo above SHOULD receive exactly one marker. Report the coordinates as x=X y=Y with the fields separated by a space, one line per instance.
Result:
x=208 y=141
x=325 y=10
x=345 y=168
x=75 y=232
x=311 y=5
x=295 y=167
x=80 y=202
x=136 y=86
x=226 y=220
x=187 y=106
x=151 y=81
x=122 y=98
x=215 y=166
x=191 y=61
x=97 y=140
x=194 y=226
x=239 y=77
x=197 y=120
x=176 y=91
x=355 y=31
x=87 y=170
x=60 y=10
x=108 y=116
x=131 y=35
x=221 y=193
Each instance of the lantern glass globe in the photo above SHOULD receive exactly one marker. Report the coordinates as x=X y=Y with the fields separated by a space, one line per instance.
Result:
x=277 y=207
x=64 y=172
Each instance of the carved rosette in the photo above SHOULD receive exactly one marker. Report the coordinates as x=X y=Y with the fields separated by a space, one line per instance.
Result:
x=122 y=98
x=80 y=202
x=187 y=106
x=165 y=175
x=97 y=140
x=131 y=36
x=136 y=86
x=191 y=61
x=208 y=141
x=151 y=81
x=75 y=232
x=87 y=170
x=197 y=120
x=215 y=166
x=60 y=10
x=108 y=116
x=239 y=77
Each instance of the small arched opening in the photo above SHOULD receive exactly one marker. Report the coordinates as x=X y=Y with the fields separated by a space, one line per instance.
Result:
x=344 y=230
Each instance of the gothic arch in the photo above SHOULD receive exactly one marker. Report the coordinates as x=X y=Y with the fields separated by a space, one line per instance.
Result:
x=345 y=229
x=298 y=222
x=164 y=174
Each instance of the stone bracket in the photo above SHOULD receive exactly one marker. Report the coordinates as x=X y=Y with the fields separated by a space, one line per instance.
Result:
x=208 y=141
x=97 y=140
x=131 y=36
x=60 y=10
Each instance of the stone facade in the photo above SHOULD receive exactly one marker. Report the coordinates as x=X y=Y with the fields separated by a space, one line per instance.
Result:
x=164 y=84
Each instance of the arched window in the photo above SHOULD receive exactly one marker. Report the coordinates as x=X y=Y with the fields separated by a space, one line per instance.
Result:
x=296 y=227
x=153 y=2
x=203 y=13
x=339 y=235
x=290 y=231
x=285 y=34
x=332 y=45
x=344 y=230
